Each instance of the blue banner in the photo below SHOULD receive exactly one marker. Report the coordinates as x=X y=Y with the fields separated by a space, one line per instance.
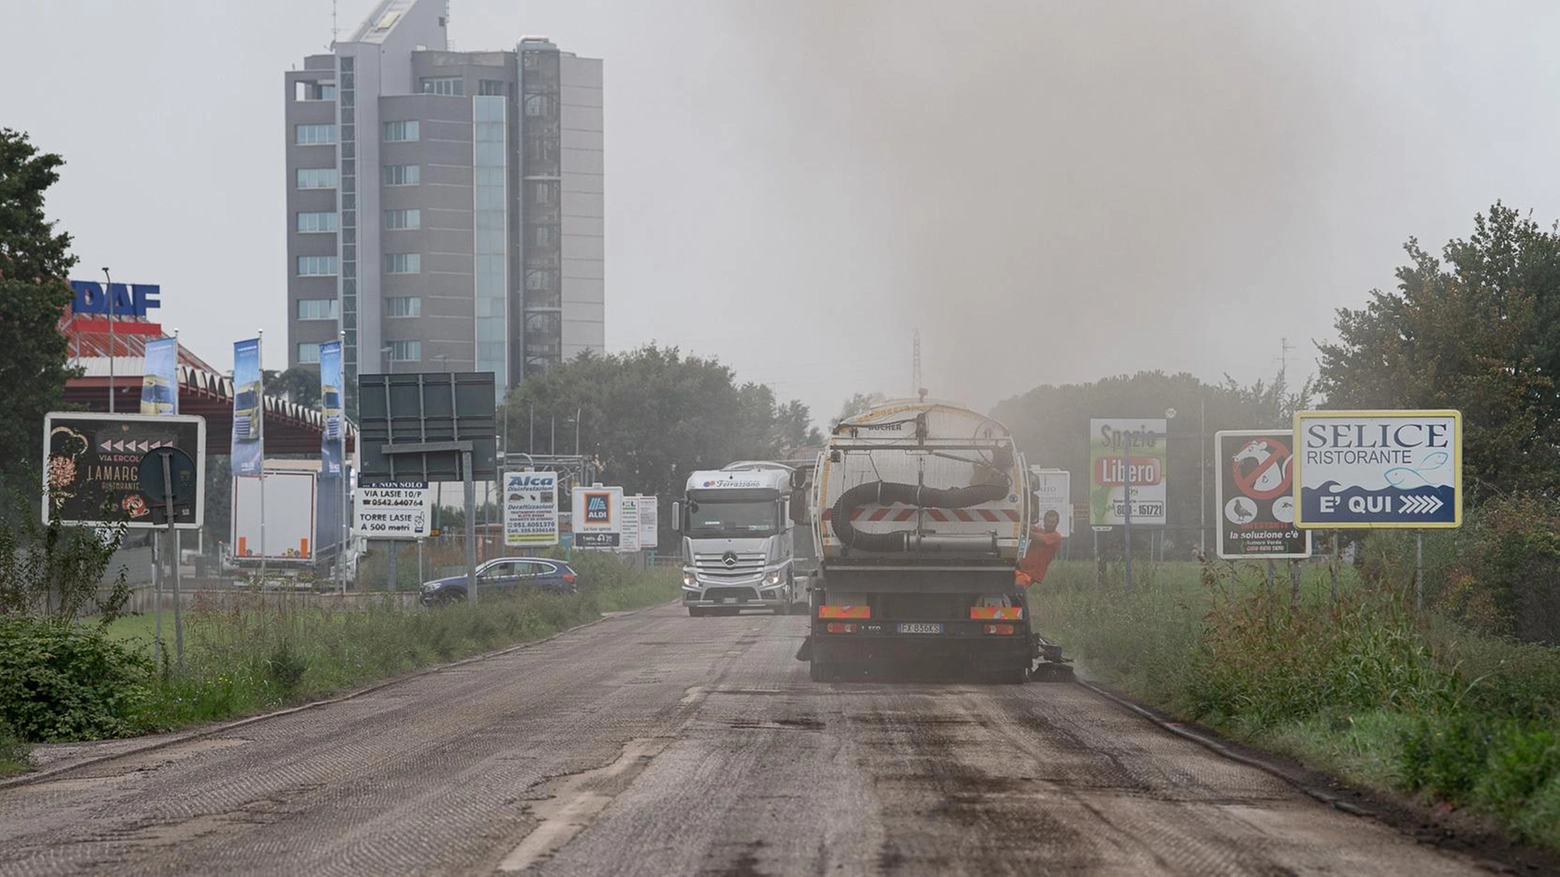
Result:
x=160 y=383
x=329 y=511
x=248 y=409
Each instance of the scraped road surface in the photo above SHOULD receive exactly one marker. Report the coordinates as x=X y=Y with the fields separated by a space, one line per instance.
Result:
x=661 y=744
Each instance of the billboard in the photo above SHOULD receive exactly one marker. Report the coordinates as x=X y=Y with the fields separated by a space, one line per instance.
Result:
x=1369 y=469
x=91 y=466
x=248 y=408
x=530 y=509
x=394 y=510
x=1123 y=451
x=1052 y=490
x=597 y=513
x=160 y=383
x=649 y=522
x=1253 y=491
x=628 y=527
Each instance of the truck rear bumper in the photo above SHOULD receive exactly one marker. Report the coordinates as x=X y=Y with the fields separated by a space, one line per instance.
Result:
x=961 y=648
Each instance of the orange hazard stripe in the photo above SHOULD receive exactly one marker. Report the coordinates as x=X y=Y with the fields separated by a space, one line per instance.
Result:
x=987 y=613
x=844 y=611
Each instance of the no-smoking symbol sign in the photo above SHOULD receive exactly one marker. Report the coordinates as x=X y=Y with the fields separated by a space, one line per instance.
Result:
x=1261 y=469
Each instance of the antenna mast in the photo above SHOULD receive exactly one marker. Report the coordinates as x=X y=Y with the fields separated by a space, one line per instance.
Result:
x=915 y=367
x=334 y=30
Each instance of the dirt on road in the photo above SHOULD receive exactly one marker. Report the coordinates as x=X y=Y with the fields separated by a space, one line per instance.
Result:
x=661 y=744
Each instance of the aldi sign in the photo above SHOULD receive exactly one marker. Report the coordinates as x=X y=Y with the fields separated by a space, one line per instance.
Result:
x=598 y=517
x=1369 y=469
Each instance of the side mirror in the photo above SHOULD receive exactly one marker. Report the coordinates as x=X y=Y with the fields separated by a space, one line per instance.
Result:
x=676 y=517
x=799 y=506
x=799 y=479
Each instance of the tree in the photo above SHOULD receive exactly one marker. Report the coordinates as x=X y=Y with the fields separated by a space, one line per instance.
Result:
x=300 y=385
x=652 y=415
x=1479 y=333
x=34 y=263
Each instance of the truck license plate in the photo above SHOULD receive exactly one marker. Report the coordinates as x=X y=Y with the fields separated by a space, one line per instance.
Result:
x=920 y=627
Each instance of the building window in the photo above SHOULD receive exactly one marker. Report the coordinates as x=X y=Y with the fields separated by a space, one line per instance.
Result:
x=403 y=263
x=316 y=178
x=544 y=235
x=443 y=85
x=544 y=193
x=491 y=87
x=405 y=351
x=403 y=306
x=312 y=222
x=316 y=266
x=537 y=104
x=308 y=351
x=403 y=174
x=400 y=132
x=306 y=91
x=316 y=309
x=402 y=220
x=314 y=135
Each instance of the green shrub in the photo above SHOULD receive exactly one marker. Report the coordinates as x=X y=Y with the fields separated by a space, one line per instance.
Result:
x=15 y=754
x=1522 y=760
x=66 y=683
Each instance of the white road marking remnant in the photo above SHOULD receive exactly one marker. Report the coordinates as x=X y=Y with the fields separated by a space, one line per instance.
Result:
x=572 y=807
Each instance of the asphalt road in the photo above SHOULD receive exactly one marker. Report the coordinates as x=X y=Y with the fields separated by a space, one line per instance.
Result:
x=660 y=744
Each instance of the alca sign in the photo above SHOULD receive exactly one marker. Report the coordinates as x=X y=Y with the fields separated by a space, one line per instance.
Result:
x=1253 y=486
x=1365 y=469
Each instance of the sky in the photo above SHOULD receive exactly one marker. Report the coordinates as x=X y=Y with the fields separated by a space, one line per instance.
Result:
x=1048 y=192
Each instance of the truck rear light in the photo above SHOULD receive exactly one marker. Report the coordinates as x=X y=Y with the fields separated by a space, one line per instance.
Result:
x=839 y=627
x=999 y=629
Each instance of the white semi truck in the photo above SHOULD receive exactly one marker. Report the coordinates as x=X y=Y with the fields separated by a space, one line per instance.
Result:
x=920 y=509
x=741 y=547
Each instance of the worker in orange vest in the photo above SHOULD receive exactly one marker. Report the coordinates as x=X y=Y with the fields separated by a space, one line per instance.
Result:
x=1044 y=542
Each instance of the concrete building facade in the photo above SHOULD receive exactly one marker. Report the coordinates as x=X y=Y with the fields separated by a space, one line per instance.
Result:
x=444 y=209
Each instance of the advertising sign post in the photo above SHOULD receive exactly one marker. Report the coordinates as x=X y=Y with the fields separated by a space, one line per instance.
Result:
x=393 y=510
x=1123 y=452
x=530 y=509
x=91 y=461
x=1253 y=491
x=597 y=514
x=1053 y=493
x=1380 y=469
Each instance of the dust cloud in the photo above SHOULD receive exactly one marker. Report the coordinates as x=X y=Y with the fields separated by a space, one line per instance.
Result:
x=1054 y=191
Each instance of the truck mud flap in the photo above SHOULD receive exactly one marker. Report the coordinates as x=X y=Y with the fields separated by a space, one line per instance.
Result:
x=805 y=652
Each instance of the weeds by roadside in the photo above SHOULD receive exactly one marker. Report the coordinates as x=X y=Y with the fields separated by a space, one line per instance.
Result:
x=1361 y=685
x=84 y=683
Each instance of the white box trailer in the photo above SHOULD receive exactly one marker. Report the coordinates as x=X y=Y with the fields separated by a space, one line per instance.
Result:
x=289 y=536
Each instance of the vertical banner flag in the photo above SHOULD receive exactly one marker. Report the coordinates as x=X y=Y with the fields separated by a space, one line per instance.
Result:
x=160 y=385
x=330 y=404
x=1143 y=443
x=248 y=409
x=331 y=495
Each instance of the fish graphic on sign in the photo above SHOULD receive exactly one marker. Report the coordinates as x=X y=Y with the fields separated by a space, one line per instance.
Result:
x=1262 y=468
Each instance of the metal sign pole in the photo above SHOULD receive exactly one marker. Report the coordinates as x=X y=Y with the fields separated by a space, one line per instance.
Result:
x=1126 y=500
x=471 y=524
x=346 y=526
x=178 y=615
x=1419 y=570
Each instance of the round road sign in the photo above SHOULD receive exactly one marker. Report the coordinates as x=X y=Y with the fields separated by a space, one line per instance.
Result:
x=181 y=471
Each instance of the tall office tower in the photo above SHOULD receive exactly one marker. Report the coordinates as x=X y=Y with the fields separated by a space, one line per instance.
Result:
x=444 y=209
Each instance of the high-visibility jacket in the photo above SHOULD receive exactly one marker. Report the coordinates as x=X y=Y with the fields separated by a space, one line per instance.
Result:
x=1042 y=550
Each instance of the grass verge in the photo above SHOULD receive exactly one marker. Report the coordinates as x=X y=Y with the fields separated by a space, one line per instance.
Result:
x=1356 y=684
x=255 y=657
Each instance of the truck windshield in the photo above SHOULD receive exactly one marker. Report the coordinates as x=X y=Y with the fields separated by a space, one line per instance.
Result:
x=732 y=519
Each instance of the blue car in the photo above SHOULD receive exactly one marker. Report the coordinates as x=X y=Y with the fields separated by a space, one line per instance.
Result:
x=505 y=576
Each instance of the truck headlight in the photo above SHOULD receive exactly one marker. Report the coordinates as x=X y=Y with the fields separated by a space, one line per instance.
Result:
x=689 y=579
x=772 y=578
